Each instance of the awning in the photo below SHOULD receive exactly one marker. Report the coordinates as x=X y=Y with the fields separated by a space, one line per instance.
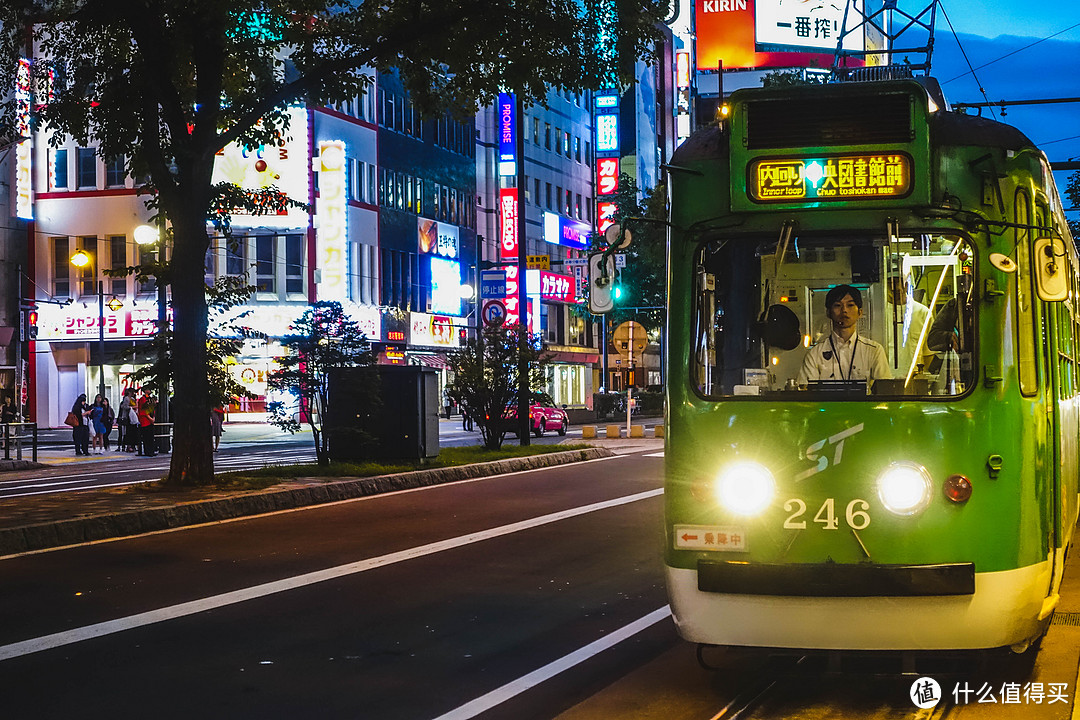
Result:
x=434 y=361
x=573 y=358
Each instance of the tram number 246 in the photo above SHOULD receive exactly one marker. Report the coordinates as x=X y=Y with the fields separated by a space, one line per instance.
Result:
x=855 y=514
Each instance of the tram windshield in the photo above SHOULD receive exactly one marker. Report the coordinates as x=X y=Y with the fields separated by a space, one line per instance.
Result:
x=827 y=317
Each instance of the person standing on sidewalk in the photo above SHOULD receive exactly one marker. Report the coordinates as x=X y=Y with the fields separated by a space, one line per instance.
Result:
x=108 y=419
x=217 y=419
x=147 y=410
x=123 y=425
x=97 y=426
x=80 y=433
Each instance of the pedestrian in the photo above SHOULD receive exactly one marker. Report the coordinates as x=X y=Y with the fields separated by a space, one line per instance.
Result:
x=217 y=420
x=108 y=419
x=8 y=415
x=80 y=431
x=97 y=426
x=146 y=411
x=123 y=422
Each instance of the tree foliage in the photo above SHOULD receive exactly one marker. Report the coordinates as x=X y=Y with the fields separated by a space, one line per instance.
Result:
x=1072 y=191
x=168 y=83
x=322 y=339
x=486 y=376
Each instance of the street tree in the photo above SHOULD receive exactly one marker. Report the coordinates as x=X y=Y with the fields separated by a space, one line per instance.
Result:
x=1072 y=191
x=166 y=84
x=485 y=382
x=323 y=339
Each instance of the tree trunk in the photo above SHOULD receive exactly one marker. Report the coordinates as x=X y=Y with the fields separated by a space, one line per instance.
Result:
x=192 y=460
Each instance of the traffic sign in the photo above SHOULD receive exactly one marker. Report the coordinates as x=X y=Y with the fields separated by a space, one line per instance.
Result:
x=630 y=339
x=538 y=262
x=494 y=312
x=493 y=283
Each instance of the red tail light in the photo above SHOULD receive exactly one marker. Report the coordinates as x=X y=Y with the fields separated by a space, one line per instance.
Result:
x=957 y=488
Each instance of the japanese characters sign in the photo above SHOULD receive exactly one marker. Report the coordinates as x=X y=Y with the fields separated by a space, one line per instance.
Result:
x=332 y=211
x=607 y=132
x=805 y=24
x=508 y=222
x=830 y=178
x=709 y=537
x=607 y=176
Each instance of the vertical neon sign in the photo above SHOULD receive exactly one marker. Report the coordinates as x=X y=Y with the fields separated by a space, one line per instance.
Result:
x=331 y=243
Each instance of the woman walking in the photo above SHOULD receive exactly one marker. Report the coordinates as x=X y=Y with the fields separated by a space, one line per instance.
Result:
x=80 y=431
x=147 y=409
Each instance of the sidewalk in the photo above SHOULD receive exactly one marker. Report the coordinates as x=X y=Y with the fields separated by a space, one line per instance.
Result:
x=57 y=519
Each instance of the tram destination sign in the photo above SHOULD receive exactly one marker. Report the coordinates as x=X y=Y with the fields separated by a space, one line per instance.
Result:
x=830 y=178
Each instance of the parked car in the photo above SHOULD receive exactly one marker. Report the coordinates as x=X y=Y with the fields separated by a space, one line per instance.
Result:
x=544 y=415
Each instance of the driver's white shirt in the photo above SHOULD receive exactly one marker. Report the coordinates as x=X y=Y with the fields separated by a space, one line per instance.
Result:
x=833 y=360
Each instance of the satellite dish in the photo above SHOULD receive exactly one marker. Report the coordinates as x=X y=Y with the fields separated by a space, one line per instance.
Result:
x=616 y=237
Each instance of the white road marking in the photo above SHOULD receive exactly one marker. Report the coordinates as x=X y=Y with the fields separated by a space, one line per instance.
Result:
x=500 y=695
x=69 y=637
x=659 y=454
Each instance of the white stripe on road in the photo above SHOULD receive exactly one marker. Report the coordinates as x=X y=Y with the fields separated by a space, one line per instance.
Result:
x=500 y=695
x=68 y=637
x=659 y=454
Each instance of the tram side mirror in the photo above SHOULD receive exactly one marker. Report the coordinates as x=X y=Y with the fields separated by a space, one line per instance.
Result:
x=781 y=328
x=1051 y=269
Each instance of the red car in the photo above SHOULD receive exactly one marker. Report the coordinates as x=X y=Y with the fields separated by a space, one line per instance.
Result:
x=543 y=416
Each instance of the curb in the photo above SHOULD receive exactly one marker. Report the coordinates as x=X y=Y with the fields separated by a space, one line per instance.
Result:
x=6 y=465
x=75 y=531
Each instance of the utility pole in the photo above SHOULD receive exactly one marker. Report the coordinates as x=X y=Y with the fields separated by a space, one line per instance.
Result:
x=523 y=294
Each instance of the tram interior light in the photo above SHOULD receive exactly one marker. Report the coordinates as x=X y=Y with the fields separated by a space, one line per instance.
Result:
x=904 y=488
x=745 y=488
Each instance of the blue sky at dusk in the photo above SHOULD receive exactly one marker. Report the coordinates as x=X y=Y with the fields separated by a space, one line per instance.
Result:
x=988 y=31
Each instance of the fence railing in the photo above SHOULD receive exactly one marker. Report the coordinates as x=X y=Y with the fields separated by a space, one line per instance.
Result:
x=18 y=434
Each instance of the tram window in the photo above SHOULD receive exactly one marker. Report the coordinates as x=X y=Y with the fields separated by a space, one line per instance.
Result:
x=761 y=307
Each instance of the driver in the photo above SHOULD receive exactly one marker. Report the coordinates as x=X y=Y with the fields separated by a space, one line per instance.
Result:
x=844 y=354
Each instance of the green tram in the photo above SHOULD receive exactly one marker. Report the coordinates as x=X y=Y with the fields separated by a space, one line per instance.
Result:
x=819 y=500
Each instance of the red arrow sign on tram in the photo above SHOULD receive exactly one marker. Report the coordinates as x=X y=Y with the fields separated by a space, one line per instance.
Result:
x=687 y=537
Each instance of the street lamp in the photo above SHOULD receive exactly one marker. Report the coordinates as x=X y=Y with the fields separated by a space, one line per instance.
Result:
x=80 y=260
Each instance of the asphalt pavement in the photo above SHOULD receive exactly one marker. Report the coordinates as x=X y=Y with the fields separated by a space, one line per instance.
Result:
x=65 y=518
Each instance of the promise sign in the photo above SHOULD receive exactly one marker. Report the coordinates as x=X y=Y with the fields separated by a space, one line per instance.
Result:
x=866 y=176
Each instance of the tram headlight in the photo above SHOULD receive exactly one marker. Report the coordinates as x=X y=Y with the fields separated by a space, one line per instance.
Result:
x=905 y=488
x=745 y=488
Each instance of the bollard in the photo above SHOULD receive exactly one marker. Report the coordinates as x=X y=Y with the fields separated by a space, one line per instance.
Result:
x=637 y=431
x=588 y=431
x=614 y=431
x=658 y=431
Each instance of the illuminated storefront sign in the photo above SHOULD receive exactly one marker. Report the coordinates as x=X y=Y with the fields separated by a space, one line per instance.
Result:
x=830 y=178
x=437 y=238
x=507 y=137
x=682 y=70
x=445 y=286
x=564 y=231
x=809 y=25
x=434 y=331
x=285 y=167
x=513 y=314
x=74 y=322
x=725 y=34
x=332 y=210
x=508 y=222
x=549 y=286
x=607 y=132
x=605 y=215
x=24 y=201
x=607 y=176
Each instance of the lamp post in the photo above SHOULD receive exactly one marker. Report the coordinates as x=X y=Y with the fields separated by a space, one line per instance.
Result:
x=150 y=235
x=80 y=260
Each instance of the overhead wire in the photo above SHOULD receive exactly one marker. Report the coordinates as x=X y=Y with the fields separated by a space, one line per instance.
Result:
x=964 y=53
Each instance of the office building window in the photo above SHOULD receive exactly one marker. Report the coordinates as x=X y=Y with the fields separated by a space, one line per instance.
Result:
x=264 y=263
x=61 y=270
x=536 y=131
x=547 y=195
x=117 y=261
x=235 y=257
x=577 y=149
x=294 y=264
x=59 y=169
x=566 y=144
x=536 y=194
x=114 y=172
x=547 y=135
x=86 y=168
